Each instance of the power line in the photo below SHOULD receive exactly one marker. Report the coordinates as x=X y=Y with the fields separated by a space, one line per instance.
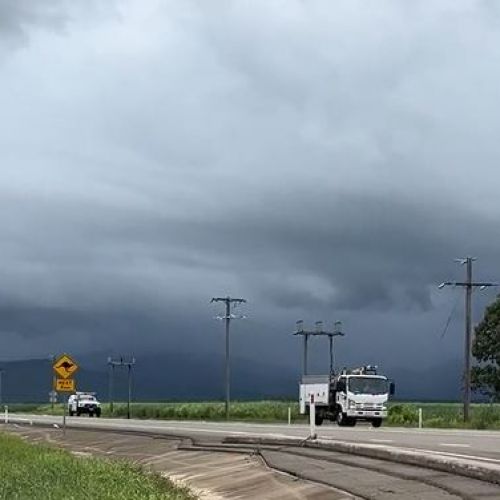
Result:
x=450 y=317
x=228 y=301
x=468 y=285
x=319 y=331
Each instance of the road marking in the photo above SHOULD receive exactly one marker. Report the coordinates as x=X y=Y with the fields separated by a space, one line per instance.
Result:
x=382 y=440
x=452 y=455
x=455 y=445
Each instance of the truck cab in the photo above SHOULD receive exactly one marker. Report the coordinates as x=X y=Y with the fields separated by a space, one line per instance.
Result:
x=84 y=403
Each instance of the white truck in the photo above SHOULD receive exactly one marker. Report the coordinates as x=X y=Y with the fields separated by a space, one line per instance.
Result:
x=352 y=395
x=84 y=403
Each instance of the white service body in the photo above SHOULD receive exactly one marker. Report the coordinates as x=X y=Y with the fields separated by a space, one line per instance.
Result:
x=317 y=386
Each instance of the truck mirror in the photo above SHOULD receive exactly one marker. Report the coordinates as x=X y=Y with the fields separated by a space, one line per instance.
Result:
x=392 y=388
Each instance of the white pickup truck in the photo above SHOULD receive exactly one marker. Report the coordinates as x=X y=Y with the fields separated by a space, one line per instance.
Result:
x=358 y=394
x=84 y=403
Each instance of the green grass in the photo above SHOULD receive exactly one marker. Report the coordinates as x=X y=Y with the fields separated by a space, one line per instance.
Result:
x=22 y=408
x=43 y=472
x=445 y=415
x=255 y=411
x=483 y=416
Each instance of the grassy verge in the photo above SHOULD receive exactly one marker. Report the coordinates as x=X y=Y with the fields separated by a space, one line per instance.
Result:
x=42 y=472
x=441 y=415
x=256 y=411
x=445 y=415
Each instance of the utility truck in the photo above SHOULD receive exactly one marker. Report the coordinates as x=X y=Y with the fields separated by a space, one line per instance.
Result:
x=352 y=395
x=84 y=402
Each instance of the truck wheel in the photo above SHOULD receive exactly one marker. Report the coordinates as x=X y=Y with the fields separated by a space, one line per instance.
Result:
x=78 y=413
x=318 y=419
x=98 y=412
x=376 y=422
x=341 y=419
x=351 y=422
x=71 y=413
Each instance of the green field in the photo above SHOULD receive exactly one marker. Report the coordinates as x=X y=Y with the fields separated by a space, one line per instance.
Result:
x=265 y=411
x=41 y=472
x=445 y=415
x=483 y=416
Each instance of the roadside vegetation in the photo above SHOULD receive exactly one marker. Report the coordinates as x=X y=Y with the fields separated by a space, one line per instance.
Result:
x=42 y=472
x=444 y=415
x=486 y=351
x=440 y=415
x=257 y=411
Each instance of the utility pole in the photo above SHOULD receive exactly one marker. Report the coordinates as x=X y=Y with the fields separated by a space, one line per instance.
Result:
x=121 y=362
x=337 y=332
x=468 y=285
x=111 y=375
x=318 y=331
x=228 y=301
x=53 y=359
x=2 y=371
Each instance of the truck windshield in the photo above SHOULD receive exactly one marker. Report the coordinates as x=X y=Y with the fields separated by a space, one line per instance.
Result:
x=367 y=385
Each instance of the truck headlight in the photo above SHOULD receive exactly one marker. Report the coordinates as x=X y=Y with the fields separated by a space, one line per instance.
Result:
x=351 y=405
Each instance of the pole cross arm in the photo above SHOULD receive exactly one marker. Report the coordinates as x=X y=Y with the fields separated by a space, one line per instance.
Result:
x=320 y=333
x=464 y=283
x=227 y=299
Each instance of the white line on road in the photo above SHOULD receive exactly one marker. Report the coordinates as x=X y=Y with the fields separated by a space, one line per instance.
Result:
x=453 y=455
x=382 y=440
x=455 y=445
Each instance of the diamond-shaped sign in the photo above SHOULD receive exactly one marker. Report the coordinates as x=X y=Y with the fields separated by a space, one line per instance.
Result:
x=64 y=366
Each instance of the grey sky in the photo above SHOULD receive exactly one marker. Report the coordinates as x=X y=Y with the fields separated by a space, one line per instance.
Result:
x=325 y=160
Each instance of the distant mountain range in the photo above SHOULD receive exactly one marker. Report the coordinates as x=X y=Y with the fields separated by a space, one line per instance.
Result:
x=186 y=377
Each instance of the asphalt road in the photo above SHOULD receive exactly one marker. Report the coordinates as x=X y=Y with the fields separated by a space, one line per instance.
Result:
x=209 y=462
x=483 y=446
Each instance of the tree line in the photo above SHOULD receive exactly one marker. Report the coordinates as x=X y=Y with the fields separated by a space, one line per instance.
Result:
x=486 y=351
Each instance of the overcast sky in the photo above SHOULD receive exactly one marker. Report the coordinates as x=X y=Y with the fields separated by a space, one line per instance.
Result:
x=323 y=159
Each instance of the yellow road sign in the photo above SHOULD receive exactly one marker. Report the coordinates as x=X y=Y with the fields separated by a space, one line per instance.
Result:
x=65 y=366
x=65 y=385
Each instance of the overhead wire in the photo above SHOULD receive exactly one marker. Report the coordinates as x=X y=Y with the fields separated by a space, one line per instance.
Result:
x=450 y=317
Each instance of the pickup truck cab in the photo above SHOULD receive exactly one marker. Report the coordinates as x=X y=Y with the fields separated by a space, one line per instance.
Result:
x=84 y=403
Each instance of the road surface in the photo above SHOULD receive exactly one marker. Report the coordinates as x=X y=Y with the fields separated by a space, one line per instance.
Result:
x=329 y=473
x=478 y=445
x=218 y=470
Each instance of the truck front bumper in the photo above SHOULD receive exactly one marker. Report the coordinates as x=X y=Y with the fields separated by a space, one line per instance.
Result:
x=367 y=414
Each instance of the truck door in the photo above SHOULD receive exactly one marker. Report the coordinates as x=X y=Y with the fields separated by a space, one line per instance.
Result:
x=342 y=392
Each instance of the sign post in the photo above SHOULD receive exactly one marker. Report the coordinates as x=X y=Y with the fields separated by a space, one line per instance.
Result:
x=53 y=396
x=65 y=368
x=312 y=418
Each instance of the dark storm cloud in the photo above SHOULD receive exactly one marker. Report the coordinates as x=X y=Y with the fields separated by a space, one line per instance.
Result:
x=314 y=157
x=17 y=17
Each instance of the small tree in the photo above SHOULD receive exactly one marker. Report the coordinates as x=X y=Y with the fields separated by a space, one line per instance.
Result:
x=486 y=350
